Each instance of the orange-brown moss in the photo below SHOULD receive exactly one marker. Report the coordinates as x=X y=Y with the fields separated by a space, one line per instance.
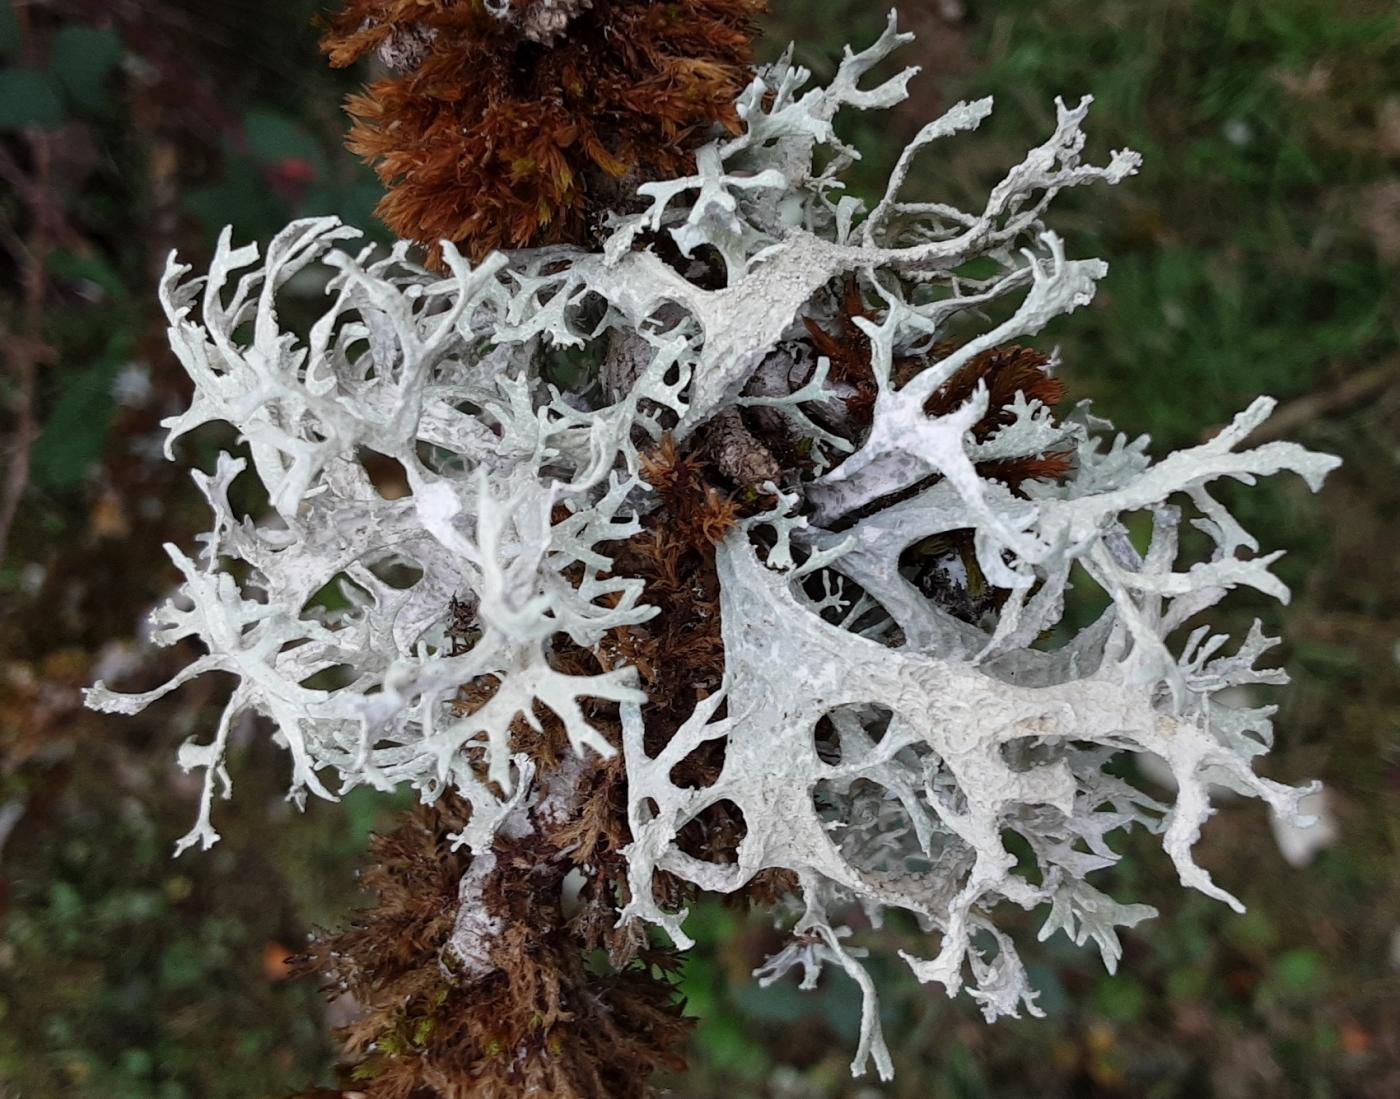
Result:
x=490 y=139
x=680 y=651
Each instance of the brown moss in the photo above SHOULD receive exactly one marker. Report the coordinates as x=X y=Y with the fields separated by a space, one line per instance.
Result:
x=543 y=1022
x=680 y=651
x=491 y=139
x=848 y=348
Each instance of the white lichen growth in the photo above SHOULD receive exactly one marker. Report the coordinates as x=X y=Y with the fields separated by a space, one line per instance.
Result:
x=948 y=735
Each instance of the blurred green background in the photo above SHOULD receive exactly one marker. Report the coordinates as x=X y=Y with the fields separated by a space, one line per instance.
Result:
x=1257 y=252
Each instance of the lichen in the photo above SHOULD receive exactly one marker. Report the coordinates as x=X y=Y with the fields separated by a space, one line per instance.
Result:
x=729 y=555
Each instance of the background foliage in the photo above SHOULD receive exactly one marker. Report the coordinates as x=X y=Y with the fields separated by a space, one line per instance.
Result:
x=1257 y=252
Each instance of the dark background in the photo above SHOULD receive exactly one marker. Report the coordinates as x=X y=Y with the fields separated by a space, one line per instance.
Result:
x=1257 y=252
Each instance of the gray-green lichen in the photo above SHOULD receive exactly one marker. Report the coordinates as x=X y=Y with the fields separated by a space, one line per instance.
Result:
x=949 y=734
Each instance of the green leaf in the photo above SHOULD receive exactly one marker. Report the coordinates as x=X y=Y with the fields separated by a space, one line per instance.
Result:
x=9 y=30
x=137 y=1062
x=1188 y=985
x=181 y=966
x=81 y=59
x=782 y=1002
x=1300 y=973
x=242 y=198
x=1120 y=999
x=27 y=98
x=91 y=267
x=76 y=431
x=1252 y=931
x=964 y=1076
x=728 y=1044
x=277 y=140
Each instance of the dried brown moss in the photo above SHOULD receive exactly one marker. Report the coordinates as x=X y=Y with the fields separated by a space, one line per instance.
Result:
x=498 y=134
x=545 y=1021
x=679 y=653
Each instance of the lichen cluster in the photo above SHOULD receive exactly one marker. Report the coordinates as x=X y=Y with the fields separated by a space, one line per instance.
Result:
x=730 y=557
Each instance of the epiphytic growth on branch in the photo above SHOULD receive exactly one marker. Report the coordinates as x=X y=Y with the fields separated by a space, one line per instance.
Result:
x=729 y=553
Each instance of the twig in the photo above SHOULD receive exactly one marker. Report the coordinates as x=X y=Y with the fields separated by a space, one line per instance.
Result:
x=1352 y=390
x=27 y=348
x=1296 y=414
x=10 y=814
x=24 y=361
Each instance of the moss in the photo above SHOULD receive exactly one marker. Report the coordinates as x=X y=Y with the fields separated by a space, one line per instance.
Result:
x=542 y=1022
x=490 y=139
